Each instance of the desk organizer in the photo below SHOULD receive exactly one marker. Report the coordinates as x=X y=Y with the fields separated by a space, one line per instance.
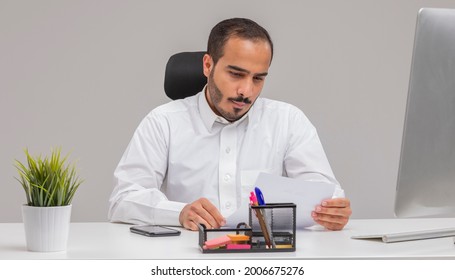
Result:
x=280 y=220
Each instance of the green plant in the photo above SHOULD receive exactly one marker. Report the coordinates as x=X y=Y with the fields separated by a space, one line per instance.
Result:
x=48 y=182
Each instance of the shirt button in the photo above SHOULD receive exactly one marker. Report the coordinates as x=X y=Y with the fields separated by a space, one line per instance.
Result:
x=228 y=150
x=227 y=205
x=227 y=177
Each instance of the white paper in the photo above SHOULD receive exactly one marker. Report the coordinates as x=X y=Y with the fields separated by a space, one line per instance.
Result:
x=277 y=189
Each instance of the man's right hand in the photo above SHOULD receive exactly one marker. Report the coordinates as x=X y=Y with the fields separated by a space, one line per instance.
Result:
x=201 y=211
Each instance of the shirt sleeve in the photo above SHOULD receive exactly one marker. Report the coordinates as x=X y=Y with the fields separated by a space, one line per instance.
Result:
x=305 y=157
x=138 y=178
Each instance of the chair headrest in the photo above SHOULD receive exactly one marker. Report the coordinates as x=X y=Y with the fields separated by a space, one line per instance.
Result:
x=184 y=75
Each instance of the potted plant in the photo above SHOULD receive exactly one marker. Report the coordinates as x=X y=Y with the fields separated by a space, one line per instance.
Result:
x=49 y=184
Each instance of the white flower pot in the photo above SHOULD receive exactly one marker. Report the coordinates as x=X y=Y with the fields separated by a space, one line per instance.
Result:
x=46 y=228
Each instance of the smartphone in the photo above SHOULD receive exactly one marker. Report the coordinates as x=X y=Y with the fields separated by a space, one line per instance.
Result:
x=154 y=231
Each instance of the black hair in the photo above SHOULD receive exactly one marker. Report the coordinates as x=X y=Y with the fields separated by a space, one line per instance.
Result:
x=235 y=27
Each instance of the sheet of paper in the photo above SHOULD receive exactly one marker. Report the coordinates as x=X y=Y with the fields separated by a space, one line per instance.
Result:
x=277 y=189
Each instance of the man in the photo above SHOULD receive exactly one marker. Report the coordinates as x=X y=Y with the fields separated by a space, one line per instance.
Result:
x=191 y=161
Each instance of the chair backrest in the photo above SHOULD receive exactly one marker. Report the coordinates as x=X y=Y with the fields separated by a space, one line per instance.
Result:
x=184 y=75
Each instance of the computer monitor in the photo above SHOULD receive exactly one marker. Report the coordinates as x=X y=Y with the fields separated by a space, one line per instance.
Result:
x=426 y=176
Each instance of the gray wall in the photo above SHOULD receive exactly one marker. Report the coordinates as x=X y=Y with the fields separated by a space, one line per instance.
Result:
x=82 y=74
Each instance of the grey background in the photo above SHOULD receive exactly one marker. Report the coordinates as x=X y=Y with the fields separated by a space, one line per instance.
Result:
x=82 y=74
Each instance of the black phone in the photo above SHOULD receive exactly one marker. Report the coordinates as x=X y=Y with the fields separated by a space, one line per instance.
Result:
x=154 y=231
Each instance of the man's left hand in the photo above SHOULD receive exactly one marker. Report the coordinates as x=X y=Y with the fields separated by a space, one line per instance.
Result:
x=333 y=214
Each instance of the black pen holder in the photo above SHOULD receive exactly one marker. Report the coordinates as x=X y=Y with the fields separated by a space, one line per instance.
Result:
x=278 y=221
x=271 y=228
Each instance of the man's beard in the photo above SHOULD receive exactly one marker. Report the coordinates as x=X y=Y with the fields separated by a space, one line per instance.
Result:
x=217 y=96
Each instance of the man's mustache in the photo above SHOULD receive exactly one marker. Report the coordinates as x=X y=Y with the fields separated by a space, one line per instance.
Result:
x=240 y=99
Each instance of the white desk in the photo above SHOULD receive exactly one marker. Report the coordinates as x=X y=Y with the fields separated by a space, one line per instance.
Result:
x=114 y=241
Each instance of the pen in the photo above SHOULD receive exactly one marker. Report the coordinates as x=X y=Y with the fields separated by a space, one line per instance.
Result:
x=262 y=221
x=253 y=199
x=261 y=201
x=259 y=196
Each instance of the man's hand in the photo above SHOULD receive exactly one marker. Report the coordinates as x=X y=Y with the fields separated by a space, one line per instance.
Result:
x=201 y=211
x=333 y=214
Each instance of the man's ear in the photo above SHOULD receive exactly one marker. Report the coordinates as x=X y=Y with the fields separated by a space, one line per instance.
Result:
x=207 y=64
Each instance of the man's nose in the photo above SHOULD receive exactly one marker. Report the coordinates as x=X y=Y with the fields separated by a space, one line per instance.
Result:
x=245 y=88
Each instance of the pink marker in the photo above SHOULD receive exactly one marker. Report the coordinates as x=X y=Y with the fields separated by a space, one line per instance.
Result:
x=253 y=199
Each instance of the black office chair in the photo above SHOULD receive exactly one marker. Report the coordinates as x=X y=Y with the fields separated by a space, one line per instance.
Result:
x=184 y=75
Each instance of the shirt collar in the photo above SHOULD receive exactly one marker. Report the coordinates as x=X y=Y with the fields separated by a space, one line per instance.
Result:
x=209 y=117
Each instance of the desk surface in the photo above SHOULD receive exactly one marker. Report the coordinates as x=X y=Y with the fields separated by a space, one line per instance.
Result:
x=115 y=241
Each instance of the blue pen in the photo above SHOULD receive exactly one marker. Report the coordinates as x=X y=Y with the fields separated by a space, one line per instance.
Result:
x=261 y=201
x=259 y=196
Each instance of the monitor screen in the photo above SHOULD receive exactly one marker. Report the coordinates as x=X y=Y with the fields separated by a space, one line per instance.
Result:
x=426 y=176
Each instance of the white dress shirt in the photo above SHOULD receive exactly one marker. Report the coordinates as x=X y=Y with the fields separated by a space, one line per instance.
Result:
x=183 y=151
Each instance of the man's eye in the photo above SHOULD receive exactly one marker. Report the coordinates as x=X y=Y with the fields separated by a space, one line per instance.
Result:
x=258 y=78
x=236 y=74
